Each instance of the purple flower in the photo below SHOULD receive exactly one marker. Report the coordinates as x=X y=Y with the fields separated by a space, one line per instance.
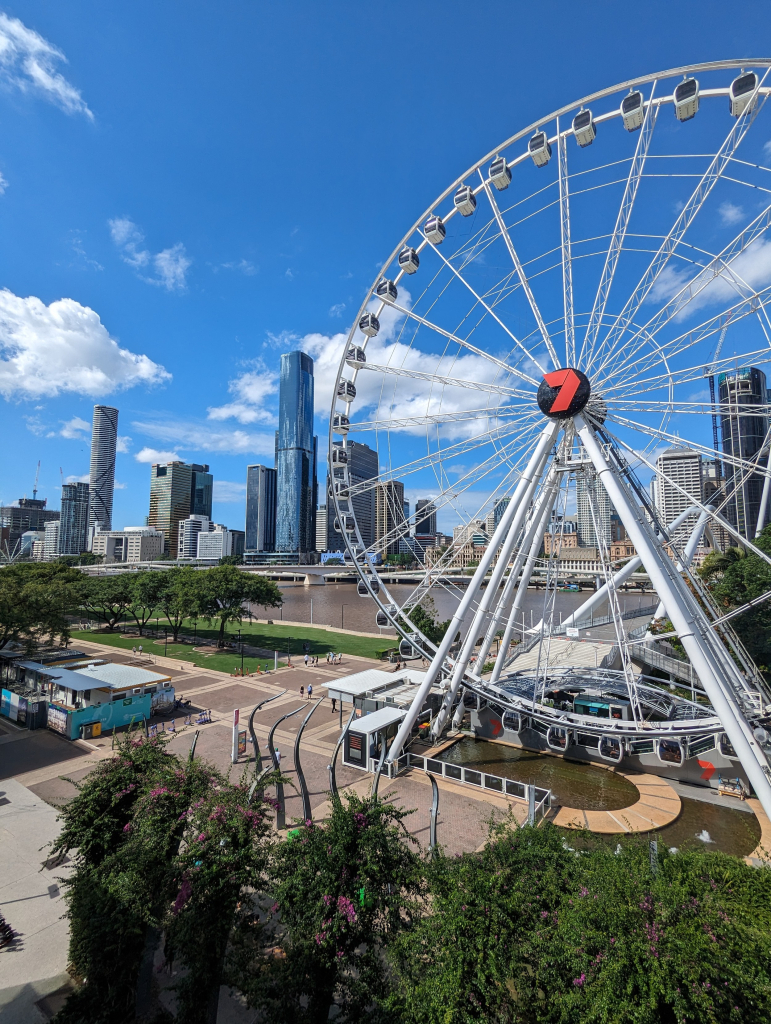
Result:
x=578 y=982
x=127 y=827
x=583 y=891
x=184 y=894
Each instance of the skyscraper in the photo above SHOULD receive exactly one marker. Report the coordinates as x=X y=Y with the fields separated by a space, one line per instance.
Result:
x=495 y=515
x=27 y=514
x=390 y=525
x=425 y=517
x=260 y=508
x=73 y=532
x=362 y=469
x=678 y=468
x=742 y=437
x=104 y=439
x=201 y=488
x=296 y=447
x=51 y=541
x=592 y=506
x=170 y=498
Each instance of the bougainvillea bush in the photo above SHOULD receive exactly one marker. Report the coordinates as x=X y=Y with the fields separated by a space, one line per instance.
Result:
x=531 y=930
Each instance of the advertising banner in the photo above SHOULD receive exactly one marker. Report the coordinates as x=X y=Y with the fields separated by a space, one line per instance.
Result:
x=57 y=720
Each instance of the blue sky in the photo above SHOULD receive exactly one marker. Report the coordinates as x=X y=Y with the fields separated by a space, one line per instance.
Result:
x=190 y=189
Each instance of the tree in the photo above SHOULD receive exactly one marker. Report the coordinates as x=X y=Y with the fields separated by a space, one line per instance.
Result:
x=179 y=597
x=35 y=600
x=533 y=930
x=225 y=590
x=146 y=590
x=337 y=895
x=424 y=618
x=232 y=560
x=108 y=598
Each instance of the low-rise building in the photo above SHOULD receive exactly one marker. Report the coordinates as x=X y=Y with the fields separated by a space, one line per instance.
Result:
x=132 y=544
x=219 y=542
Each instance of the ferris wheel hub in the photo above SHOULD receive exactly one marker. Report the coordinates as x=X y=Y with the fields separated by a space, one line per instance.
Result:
x=563 y=393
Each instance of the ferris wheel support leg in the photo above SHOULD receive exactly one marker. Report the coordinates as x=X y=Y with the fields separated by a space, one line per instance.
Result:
x=488 y=596
x=690 y=550
x=689 y=621
x=764 y=498
x=532 y=550
x=527 y=483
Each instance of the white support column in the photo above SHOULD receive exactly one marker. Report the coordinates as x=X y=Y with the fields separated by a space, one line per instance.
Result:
x=526 y=484
x=764 y=498
x=690 y=549
x=528 y=554
x=486 y=601
x=686 y=616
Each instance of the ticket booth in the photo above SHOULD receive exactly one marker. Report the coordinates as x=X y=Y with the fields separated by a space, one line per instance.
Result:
x=362 y=741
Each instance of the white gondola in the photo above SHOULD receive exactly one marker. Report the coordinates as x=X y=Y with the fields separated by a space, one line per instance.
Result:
x=356 y=357
x=633 y=111
x=382 y=619
x=500 y=173
x=409 y=261
x=363 y=591
x=539 y=149
x=512 y=721
x=434 y=230
x=341 y=490
x=671 y=751
x=686 y=99
x=369 y=325
x=726 y=748
x=387 y=290
x=340 y=423
x=611 y=748
x=584 y=128
x=339 y=456
x=408 y=650
x=346 y=389
x=465 y=201
x=349 y=524
x=557 y=738
x=741 y=92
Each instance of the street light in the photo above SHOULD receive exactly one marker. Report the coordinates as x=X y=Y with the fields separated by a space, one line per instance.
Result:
x=240 y=644
x=342 y=615
x=165 y=639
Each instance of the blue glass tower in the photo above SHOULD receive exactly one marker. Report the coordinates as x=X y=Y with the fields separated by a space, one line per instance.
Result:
x=296 y=488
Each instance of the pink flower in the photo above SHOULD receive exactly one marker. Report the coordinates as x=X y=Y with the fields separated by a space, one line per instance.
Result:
x=578 y=982
x=127 y=827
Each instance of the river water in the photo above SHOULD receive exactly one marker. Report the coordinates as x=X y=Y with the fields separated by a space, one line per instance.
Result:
x=338 y=604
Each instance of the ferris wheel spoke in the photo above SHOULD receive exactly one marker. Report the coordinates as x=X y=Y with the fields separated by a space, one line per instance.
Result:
x=443 y=381
x=685 y=408
x=567 y=262
x=719 y=267
x=437 y=419
x=620 y=228
x=676 y=441
x=529 y=355
x=525 y=284
x=699 y=196
x=506 y=367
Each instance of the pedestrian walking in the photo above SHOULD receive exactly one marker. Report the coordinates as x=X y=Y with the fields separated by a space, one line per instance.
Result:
x=306 y=660
x=134 y=650
x=302 y=692
x=334 y=701
x=310 y=690
x=140 y=648
x=278 y=757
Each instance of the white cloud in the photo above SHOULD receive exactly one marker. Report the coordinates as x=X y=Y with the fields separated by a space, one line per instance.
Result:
x=229 y=491
x=201 y=437
x=119 y=486
x=767 y=148
x=64 y=347
x=337 y=310
x=753 y=267
x=84 y=478
x=170 y=265
x=123 y=445
x=75 y=428
x=245 y=267
x=152 y=455
x=288 y=274
x=730 y=213
x=251 y=391
x=3 y=184
x=28 y=62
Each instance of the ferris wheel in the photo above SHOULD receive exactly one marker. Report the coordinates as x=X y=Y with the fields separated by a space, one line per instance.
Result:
x=590 y=295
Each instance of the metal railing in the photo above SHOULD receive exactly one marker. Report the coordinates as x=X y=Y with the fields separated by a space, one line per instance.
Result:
x=537 y=798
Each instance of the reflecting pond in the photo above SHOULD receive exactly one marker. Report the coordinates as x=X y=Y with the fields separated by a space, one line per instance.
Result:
x=572 y=784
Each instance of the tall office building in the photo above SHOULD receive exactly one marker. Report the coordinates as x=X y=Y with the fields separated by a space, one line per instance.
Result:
x=189 y=529
x=321 y=528
x=101 y=484
x=676 y=468
x=362 y=469
x=296 y=447
x=201 y=488
x=51 y=541
x=73 y=532
x=390 y=524
x=425 y=518
x=495 y=515
x=170 y=489
x=592 y=506
x=742 y=438
x=260 y=508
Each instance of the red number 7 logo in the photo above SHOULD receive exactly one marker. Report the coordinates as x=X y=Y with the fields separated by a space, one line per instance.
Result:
x=568 y=383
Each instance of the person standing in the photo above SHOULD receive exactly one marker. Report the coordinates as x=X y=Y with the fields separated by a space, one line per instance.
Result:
x=334 y=701
x=310 y=690
x=302 y=692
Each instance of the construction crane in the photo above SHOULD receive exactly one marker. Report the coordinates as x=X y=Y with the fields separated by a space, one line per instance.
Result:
x=37 y=477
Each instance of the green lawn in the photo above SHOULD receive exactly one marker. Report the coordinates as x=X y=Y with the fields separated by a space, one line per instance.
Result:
x=284 y=639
